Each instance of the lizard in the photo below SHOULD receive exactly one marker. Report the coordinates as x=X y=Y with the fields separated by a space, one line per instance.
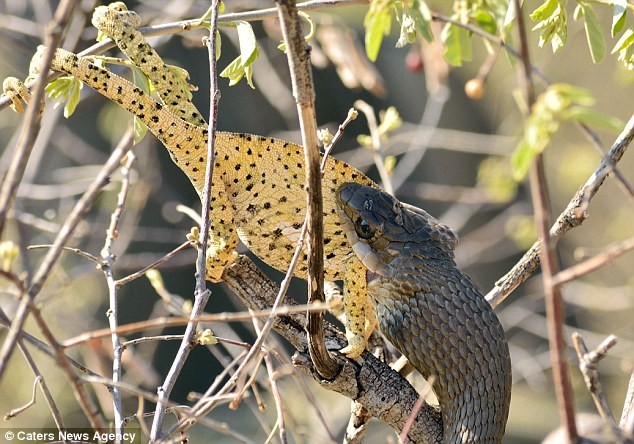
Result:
x=432 y=312
x=258 y=182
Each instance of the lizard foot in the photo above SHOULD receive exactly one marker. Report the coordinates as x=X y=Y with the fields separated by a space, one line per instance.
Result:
x=356 y=346
x=216 y=262
x=17 y=92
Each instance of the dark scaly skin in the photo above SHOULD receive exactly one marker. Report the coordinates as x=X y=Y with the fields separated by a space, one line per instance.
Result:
x=431 y=311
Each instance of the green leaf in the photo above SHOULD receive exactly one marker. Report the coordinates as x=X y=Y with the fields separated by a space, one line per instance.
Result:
x=248 y=43
x=451 y=44
x=485 y=20
x=552 y=23
x=422 y=17
x=390 y=120
x=618 y=16
x=558 y=104
x=65 y=90
x=545 y=11
x=377 y=25
x=236 y=70
x=415 y=20
x=242 y=66
x=591 y=116
x=626 y=40
x=625 y=48
x=522 y=159
x=596 y=41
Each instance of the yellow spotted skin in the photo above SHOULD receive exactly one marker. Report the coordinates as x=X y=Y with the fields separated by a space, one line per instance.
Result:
x=258 y=182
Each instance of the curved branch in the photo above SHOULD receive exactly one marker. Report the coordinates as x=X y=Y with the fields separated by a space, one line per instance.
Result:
x=372 y=383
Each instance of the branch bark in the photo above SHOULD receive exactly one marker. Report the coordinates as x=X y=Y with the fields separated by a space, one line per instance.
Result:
x=372 y=383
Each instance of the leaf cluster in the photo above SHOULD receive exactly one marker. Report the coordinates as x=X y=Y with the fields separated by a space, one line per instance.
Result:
x=552 y=23
x=559 y=103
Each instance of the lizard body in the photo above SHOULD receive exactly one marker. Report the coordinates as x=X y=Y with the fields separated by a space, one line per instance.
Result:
x=431 y=311
x=258 y=182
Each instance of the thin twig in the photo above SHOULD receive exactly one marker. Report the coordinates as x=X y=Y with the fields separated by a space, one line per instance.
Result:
x=127 y=279
x=352 y=115
x=48 y=397
x=279 y=405
x=627 y=417
x=31 y=122
x=377 y=152
x=16 y=411
x=107 y=268
x=201 y=295
x=549 y=261
x=598 y=261
x=589 y=366
x=79 y=210
x=419 y=404
x=174 y=321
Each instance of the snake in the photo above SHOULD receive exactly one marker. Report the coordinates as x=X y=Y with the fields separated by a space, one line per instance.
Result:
x=431 y=311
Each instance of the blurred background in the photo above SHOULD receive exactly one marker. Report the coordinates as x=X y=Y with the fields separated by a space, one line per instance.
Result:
x=449 y=156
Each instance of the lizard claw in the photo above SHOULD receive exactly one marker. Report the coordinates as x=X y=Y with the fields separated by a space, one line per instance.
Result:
x=17 y=92
x=356 y=346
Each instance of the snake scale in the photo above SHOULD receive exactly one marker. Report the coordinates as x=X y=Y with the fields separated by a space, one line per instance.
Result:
x=429 y=310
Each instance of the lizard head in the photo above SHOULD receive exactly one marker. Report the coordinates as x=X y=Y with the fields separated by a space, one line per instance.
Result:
x=381 y=229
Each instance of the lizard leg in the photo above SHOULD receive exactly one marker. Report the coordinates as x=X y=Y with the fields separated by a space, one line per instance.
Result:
x=17 y=92
x=355 y=302
x=223 y=237
x=121 y=25
x=371 y=321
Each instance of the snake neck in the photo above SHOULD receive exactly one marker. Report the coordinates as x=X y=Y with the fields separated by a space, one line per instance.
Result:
x=439 y=320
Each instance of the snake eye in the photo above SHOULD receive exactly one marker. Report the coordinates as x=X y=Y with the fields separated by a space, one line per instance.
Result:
x=364 y=229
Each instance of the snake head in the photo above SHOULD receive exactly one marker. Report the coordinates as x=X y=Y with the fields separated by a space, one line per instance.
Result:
x=381 y=229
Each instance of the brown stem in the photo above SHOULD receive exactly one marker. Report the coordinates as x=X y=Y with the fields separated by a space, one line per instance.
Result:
x=549 y=261
x=298 y=56
x=201 y=295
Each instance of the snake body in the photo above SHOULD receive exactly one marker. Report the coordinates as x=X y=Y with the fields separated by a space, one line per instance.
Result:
x=429 y=310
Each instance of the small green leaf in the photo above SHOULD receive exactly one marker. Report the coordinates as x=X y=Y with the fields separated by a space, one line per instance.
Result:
x=65 y=90
x=415 y=20
x=422 y=17
x=552 y=23
x=390 y=120
x=545 y=11
x=626 y=40
x=591 y=116
x=625 y=48
x=377 y=25
x=457 y=46
x=618 y=16
x=596 y=41
x=248 y=43
x=235 y=71
x=558 y=104
x=484 y=19
x=242 y=66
